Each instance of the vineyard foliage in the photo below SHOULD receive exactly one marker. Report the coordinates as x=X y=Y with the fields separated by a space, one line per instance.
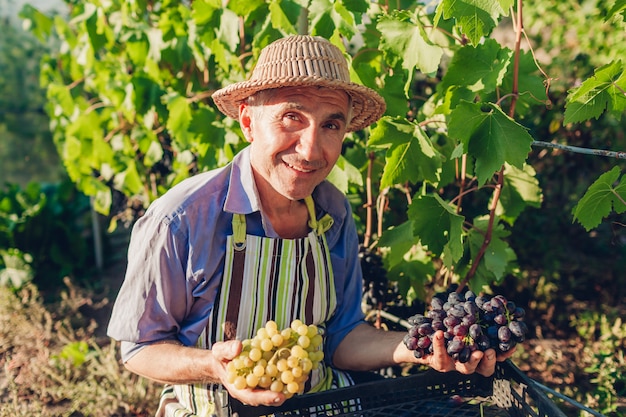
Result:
x=446 y=170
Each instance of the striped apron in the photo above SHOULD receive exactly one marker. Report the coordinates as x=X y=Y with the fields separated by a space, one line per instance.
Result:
x=264 y=279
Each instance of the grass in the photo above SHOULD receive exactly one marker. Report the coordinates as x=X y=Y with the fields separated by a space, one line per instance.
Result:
x=54 y=365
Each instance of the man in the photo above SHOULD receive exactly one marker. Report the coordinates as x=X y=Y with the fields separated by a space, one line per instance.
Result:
x=264 y=238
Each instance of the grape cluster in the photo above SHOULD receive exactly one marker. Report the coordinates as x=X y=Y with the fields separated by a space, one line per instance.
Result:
x=469 y=323
x=278 y=360
x=375 y=283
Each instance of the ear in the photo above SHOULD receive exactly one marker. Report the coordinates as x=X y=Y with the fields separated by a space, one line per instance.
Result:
x=245 y=121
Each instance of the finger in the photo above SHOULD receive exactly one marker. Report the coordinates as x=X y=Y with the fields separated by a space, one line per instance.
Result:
x=440 y=360
x=256 y=397
x=487 y=365
x=225 y=351
x=501 y=357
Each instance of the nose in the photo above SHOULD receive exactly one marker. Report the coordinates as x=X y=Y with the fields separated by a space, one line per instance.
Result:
x=309 y=144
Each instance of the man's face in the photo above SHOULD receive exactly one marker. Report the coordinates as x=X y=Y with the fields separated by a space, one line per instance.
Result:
x=296 y=138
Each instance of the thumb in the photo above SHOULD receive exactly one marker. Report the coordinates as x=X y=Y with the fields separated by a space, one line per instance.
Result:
x=226 y=351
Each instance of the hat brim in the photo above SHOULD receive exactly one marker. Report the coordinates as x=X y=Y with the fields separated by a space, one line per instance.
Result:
x=367 y=105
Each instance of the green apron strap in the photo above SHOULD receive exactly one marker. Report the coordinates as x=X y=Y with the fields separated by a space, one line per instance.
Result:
x=239 y=231
x=319 y=226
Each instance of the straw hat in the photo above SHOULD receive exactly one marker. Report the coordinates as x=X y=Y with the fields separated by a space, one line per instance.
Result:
x=296 y=61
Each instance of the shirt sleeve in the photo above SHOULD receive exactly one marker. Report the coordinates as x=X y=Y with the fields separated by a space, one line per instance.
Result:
x=171 y=280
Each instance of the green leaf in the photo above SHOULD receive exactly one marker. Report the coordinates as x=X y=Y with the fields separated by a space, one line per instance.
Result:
x=604 y=195
x=344 y=173
x=397 y=242
x=604 y=91
x=498 y=257
x=17 y=269
x=228 y=32
x=406 y=41
x=437 y=225
x=328 y=17
x=410 y=156
x=479 y=69
x=475 y=18
x=489 y=136
x=618 y=8
x=521 y=189
x=36 y=22
x=179 y=119
x=284 y=15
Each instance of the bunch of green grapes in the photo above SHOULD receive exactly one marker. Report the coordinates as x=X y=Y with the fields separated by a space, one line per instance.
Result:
x=278 y=360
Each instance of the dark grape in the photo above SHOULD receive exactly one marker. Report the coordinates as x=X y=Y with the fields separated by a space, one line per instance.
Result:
x=411 y=343
x=460 y=330
x=475 y=331
x=451 y=321
x=470 y=307
x=483 y=342
x=425 y=329
x=504 y=334
x=500 y=319
x=455 y=346
x=469 y=322
x=519 y=313
x=465 y=354
x=436 y=303
x=424 y=343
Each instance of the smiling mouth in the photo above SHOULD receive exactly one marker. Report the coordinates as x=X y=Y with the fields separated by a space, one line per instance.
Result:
x=295 y=168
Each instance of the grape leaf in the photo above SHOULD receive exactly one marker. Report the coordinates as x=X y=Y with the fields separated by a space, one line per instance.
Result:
x=604 y=91
x=521 y=189
x=489 y=136
x=480 y=69
x=407 y=41
x=327 y=17
x=410 y=154
x=411 y=277
x=604 y=195
x=280 y=12
x=498 y=256
x=344 y=173
x=398 y=240
x=618 y=8
x=179 y=118
x=437 y=225
x=475 y=18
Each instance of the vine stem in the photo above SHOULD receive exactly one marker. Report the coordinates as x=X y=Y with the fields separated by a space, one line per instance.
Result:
x=576 y=149
x=500 y=174
x=369 y=203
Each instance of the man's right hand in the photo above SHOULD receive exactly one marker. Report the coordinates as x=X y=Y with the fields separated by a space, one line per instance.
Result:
x=225 y=352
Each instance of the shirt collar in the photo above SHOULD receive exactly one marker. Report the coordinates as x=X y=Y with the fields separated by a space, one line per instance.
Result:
x=242 y=196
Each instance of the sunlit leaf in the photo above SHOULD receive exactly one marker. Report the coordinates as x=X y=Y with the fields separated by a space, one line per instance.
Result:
x=475 y=18
x=410 y=153
x=405 y=40
x=489 y=136
x=438 y=227
x=604 y=91
x=606 y=194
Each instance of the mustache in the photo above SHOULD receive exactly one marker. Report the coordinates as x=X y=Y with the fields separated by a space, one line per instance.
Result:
x=304 y=163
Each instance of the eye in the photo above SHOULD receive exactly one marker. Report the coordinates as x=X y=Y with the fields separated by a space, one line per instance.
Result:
x=291 y=116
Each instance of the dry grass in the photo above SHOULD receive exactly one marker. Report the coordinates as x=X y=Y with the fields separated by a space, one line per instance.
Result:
x=53 y=364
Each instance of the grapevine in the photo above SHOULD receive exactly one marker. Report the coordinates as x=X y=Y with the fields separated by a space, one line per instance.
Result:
x=469 y=323
x=278 y=360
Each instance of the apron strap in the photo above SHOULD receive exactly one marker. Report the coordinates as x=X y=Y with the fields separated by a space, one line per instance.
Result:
x=239 y=231
x=318 y=226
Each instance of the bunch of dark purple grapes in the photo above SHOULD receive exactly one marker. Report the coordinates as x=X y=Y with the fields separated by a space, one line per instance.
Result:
x=469 y=323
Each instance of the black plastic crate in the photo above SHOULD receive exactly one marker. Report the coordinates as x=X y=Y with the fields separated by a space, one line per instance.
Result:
x=429 y=394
